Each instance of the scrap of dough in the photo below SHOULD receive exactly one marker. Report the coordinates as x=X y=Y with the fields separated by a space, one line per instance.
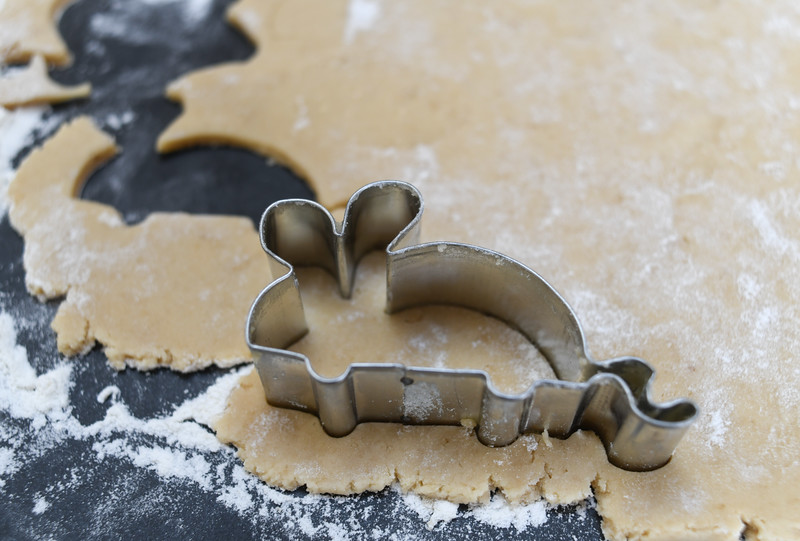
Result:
x=641 y=156
x=27 y=29
x=173 y=290
x=31 y=85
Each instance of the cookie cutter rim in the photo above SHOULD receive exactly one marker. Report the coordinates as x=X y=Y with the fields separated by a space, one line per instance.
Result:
x=609 y=397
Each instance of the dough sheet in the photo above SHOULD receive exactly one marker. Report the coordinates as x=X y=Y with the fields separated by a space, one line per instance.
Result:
x=27 y=34
x=27 y=29
x=641 y=156
x=173 y=290
x=30 y=85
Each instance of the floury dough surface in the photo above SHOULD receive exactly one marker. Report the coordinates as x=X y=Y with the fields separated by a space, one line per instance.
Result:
x=28 y=34
x=30 y=85
x=173 y=290
x=640 y=156
x=27 y=28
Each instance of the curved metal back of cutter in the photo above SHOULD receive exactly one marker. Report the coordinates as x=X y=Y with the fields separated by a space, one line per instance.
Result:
x=611 y=398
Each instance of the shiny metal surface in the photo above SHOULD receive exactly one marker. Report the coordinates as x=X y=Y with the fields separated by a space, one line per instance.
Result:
x=610 y=398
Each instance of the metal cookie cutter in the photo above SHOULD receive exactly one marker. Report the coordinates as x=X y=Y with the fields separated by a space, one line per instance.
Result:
x=610 y=397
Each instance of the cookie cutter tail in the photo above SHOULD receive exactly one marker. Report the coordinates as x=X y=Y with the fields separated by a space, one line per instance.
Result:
x=611 y=398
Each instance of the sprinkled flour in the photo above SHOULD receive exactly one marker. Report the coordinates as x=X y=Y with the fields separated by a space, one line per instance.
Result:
x=117 y=121
x=361 y=15
x=120 y=20
x=193 y=10
x=40 y=506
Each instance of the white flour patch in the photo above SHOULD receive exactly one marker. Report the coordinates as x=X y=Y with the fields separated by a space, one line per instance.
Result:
x=23 y=393
x=361 y=16
x=302 y=121
x=7 y=464
x=498 y=512
x=108 y=392
x=126 y=20
x=772 y=238
x=716 y=428
x=421 y=400
x=40 y=505
x=117 y=121
x=433 y=512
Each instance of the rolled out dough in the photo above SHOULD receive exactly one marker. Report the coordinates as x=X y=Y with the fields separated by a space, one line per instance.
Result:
x=31 y=85
x=641 y=156
x=28 y=34
x=173 y=290
x=27 y=29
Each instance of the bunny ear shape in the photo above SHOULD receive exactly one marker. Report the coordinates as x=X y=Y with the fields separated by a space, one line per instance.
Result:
x=611 y=397
x=304 y=233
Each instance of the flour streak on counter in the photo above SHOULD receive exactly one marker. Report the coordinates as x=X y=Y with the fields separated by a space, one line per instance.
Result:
x=121 y=17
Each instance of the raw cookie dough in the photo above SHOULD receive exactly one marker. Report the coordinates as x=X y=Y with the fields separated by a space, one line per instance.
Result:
x=27 y=29
x=641 y=156
x=30 y=85
x=28 y=34
x=173 y=290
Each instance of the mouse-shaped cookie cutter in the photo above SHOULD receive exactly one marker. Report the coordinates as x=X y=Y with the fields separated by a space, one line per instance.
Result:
x=610 y=398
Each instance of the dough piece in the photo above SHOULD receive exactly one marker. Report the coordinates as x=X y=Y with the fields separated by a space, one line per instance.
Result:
x=27 y=29
x=173 y=290
x=642 y=157
x=31 y=85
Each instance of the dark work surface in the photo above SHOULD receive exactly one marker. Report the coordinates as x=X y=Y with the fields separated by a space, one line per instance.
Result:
x=113 y=498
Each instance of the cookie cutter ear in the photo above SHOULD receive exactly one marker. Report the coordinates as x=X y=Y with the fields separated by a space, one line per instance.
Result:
x=611 y=397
